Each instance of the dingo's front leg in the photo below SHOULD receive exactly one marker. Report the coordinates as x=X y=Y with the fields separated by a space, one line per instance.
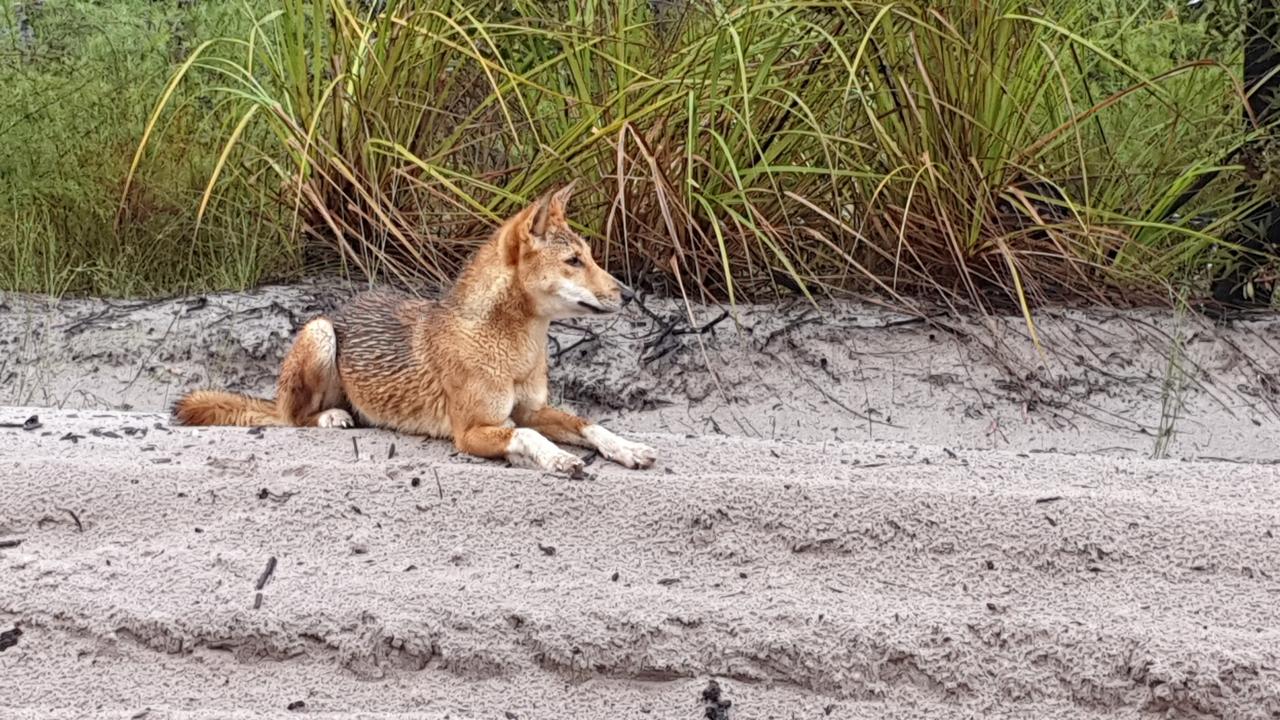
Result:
x=480 y=427
x=567 y=428
x=520 y=446
x=528 y=447
x=620 y=450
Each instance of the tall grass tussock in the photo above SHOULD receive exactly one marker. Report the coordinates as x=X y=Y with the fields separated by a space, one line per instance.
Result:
x=77 y=82
x=997 y=153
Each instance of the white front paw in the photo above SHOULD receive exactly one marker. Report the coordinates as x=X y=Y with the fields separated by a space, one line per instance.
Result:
x=529 y=448
x=565 y=463
x=630 y=454
x=335 y=418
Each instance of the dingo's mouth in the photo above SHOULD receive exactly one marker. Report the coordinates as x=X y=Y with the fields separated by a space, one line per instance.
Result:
x=594 y=308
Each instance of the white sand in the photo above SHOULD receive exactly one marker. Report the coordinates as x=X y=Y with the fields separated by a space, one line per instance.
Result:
x=865 y=523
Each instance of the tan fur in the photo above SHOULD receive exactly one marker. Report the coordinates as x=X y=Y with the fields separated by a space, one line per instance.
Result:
x=471 y=367
x=209 y=407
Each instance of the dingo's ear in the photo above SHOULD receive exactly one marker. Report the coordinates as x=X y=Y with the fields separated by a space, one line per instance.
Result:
x=548 y=210
x=560 y=201
x=525 y=229
x=538 y=217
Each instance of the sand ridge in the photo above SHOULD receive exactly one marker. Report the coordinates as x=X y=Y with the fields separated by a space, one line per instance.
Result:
x=855 y=573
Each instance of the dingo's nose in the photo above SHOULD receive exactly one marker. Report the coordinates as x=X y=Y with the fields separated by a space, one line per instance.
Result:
x=627 y=294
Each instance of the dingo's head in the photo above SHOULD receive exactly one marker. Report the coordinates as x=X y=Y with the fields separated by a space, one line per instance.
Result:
x=554 y=265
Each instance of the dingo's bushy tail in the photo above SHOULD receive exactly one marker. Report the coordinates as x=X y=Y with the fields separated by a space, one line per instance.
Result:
x=209 y=407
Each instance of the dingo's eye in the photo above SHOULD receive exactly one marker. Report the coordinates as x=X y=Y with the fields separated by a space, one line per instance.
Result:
x=575 y=261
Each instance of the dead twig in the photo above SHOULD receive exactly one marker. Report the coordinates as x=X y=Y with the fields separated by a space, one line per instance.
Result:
x=589 y=336
x=76 y=518
x=673 y=327
x=266 y=573
x=806 y=318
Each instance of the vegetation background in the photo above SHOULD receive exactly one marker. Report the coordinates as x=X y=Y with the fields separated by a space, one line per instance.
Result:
x=998 y=153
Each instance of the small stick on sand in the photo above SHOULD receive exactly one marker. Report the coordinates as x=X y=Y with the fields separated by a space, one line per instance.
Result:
x=79 y=527
x=266 y=574
x=12 y=543
x=356 y=446
x=257 y=601
x=439 y=490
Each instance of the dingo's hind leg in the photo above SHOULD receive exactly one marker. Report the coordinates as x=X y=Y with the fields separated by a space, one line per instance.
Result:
x=309 y=392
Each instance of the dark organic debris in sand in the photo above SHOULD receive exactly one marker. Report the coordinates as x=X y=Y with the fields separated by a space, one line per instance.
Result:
x=267 y=572
x=9 y=638
x=31 y=423
x=281 y=497
x=717 y=707
x=557 y=350
x=662 y=342
x=74 y=517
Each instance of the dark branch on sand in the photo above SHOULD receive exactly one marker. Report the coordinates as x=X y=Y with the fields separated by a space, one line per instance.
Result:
x=76 y=518
x=266 y=573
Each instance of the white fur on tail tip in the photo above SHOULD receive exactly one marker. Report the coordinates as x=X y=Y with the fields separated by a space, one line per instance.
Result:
x=624 y=452
x=335 y=418
x=530 y=449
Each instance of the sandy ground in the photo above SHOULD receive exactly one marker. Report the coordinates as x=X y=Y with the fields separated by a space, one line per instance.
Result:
x=855 y=515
